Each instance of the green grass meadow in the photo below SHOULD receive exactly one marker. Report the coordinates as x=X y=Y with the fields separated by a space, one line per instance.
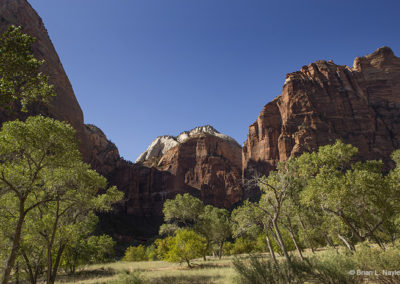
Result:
x=210 y=271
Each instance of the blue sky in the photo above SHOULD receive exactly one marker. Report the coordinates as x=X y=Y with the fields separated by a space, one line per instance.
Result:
x=146 y=68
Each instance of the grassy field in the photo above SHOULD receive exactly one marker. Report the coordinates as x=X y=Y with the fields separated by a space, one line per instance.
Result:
x=210 y=271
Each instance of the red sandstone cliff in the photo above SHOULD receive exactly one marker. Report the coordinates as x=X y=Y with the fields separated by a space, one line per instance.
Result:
x=64 y=106
x=319 y=104
x=207 y=166
x=323 y=102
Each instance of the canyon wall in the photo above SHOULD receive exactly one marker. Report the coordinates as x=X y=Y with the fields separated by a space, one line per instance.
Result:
x=319 y=104
x=207 y=166
x=323 y=102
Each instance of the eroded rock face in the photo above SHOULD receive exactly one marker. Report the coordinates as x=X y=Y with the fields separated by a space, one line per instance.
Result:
x=64 y=106
x=323 y=102
x=206 y=165
x=202 y=161
x=163 y=144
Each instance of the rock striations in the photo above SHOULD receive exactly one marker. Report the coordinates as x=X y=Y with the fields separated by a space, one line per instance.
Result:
x=207 y=165
x=323 y=102
x=162 y=144
x=64 y=106
x=319 y=104
x=201 y=161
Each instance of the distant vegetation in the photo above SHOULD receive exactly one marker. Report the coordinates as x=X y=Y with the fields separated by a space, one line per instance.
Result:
x=320 y=199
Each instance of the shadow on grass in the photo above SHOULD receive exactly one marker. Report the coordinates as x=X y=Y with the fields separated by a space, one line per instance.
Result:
x=210 y=265
x=86 y=274
x=183 y=279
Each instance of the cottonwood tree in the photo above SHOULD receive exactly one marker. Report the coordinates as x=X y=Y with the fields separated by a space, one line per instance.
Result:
x=356 y=194
x=71 y=214
x=182 y=211
x=20 y=78
x=248 y=218
x=277 y=188
x=215 y=226
x=86 y=249
x=185 y=246
x=187 y=211
x=41 y=172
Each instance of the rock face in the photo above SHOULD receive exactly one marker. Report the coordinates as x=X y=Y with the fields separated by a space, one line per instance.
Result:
x=319 y=104
x=201 y=161
x=64 y=106
x=163 y=143
x=206 y=165
x=323 y=102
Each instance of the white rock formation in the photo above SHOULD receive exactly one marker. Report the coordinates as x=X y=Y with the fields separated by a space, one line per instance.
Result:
x=164 y=143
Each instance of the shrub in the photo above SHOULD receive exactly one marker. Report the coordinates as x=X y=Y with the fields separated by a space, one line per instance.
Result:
x=163 y=246
x=329 y=267
x=135 y=253
x=127 y=277
x=242 y=245
x=151 y=253
x=227 y=248
x=257 y=270
x=185 y=246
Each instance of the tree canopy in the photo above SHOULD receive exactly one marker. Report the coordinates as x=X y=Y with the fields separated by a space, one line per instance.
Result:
x=20 y=78
x=47 y=193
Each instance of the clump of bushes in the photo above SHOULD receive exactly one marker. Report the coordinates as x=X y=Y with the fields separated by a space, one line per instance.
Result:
x=325 y=267
x=131 y=277
x=135 y=253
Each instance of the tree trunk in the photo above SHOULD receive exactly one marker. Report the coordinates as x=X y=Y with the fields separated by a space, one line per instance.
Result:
x=378 y=241
x=57 y=263
x=15 y=244
x=294 y=239
x=328 y=241
x=310 y=243
x=271 y=250
x=50 y=244
x=17 y=273
x=29 y=266
x=280 y=240
x=350 y=247
x=37 y=266
x=350 y=226
x=206 y=250
x=220 y=250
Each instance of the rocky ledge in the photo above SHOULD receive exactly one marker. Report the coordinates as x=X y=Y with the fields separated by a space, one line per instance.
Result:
x=162 y=144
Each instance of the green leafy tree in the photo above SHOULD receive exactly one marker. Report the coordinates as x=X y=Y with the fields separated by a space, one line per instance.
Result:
x=163 y=246
x=355 y=194
x=250 y=219
x=244 y=244
x=20 y=78
x=182 y=211
x=187 y=211
x=185 y=246
x=135 y=253
x=87 y=250
x=151 y=252
x=215 y=226
x=44 y=182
